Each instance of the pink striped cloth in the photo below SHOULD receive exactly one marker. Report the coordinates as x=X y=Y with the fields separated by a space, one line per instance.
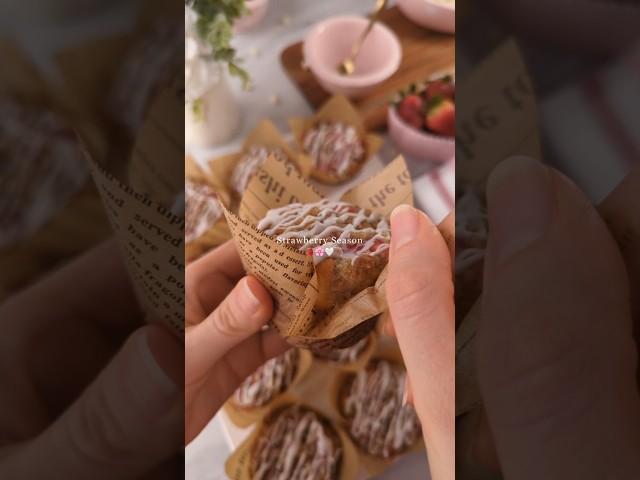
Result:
x=592 y=126
x=434 y=191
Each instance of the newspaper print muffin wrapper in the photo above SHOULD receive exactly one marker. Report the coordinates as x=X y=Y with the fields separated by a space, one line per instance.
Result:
x=214 y=234
x=290 y=275
x=337 y=110
x=224 y=170
x=241 y=462
x=245 y=416
x=149 y=231
x=374 y=465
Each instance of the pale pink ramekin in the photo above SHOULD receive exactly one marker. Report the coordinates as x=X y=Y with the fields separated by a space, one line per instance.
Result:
x=430 y=14
x=329 y=43
x=416 y=143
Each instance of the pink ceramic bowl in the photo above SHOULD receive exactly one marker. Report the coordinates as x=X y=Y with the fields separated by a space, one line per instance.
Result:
x=416 y=143
x=257 y=11
x=329 y=43
x=434 y=14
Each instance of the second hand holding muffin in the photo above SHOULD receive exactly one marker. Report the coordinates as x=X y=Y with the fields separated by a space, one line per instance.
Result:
x=419 y=292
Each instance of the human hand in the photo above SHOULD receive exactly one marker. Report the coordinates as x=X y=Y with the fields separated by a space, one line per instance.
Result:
x=225 y=340
x=419 y=290
x=556 y=355
x=87 y=390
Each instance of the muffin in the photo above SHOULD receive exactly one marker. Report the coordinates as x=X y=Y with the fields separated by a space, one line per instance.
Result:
x=472 y=230
x=354 y=245
x=371 y=402
x=296 y=443
x=249 y=164
x=343 y=356
x=144 y=70
x=336 y=151
x=202 y=209
x=268 y=381
x=42 y=167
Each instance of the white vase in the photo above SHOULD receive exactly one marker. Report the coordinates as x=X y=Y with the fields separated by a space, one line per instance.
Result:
x=212 y=119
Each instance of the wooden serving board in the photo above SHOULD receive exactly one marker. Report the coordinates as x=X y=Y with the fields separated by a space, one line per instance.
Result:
x=424 y=52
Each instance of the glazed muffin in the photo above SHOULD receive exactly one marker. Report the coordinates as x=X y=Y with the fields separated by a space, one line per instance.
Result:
x=296 y=443
x=143 y=72
x=354 y=245
x=268 y=381
x=343 y=356
x=202 y=209
x=472 y=230
x=371 y=403
x=336 y=151
x=249 y=164
x=42 y=166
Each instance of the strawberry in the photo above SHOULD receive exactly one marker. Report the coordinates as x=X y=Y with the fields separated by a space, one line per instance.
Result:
x=410 y=110
x=443 y=87
x=441 y=116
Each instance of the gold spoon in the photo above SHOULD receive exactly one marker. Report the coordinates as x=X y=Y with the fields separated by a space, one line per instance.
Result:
x=348 y=65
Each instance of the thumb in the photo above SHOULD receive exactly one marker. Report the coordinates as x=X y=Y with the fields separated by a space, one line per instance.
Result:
x=556 y=359
x=419 y=292
x=126 y=422
x=242 y=313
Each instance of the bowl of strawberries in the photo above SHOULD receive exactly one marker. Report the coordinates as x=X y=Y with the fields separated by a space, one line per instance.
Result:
x=422 y=120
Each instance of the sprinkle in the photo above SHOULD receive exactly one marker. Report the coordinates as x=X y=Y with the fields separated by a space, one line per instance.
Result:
x=285 y=20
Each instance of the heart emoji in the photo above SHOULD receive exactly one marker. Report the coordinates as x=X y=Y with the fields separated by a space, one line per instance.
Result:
x=328 y=250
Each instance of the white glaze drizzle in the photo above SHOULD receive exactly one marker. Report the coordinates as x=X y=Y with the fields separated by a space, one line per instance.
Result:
x=345 y=355
x=297 y=446
x=269 y=380
x=202 y=209
x=331 y=223
x=41 y=165
x=144 y=68
x=378 y=421
x=250 y=162
x=333 y=147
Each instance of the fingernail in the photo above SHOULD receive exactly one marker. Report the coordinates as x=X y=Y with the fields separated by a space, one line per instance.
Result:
x=249 y=300
x=404 y=225
x=165 y=357
x=521 y=201
x=406 y=394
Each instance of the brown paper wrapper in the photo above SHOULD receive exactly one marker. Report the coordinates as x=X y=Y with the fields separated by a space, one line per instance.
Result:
x=216 y=235
x=372 y=464
x=336 y=109
x=150 y=233
x=290 y=275
x=514 y=132
x=237 y=466
x=265 y=134
x=244 y=417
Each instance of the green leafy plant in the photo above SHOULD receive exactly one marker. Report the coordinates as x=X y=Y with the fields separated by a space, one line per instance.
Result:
x=215 y=26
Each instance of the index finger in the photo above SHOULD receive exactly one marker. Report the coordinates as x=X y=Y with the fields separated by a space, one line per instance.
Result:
x=209 y=279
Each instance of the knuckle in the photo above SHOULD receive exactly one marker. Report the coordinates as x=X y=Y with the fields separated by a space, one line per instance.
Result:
x=97 y=433
x=225 y=320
